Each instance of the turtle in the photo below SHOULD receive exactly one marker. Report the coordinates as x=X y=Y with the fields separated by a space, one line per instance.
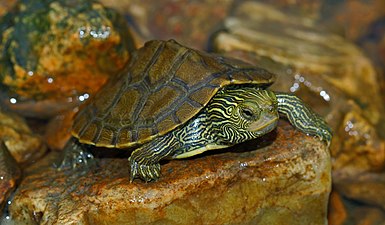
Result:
x=173 y=102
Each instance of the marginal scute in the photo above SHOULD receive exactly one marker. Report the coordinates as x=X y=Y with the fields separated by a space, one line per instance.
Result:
x=200 y=95
x=87 y=135
x=184 y=111
x=166 y=122
x=106 y=136
x=144 y=133
x=164 y=86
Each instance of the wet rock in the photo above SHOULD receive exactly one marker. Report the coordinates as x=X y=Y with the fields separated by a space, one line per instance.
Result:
x=23 y=144
x=368 y=188
x=56 y=53
x=357 y=145
x=5 y=6
x=373 y=43
x=351 y=19
x=325 y=70
x=188 y=22
x=260 y=182
x=337 y=210
x=306 y=8
x=58 y=130
x=343 y=211
x=10 y=174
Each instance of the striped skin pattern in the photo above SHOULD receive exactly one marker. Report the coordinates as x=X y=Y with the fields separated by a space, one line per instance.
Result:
x=302 y=117
x=225 y=121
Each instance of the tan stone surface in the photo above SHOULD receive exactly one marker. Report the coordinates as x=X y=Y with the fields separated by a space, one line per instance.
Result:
x=10 y=174
x=366 y=187
x=285 y=180
x=22 y=143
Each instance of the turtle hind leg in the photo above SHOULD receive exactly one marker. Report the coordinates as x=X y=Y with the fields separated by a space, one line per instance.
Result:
x=302 y=117
x=74 y=155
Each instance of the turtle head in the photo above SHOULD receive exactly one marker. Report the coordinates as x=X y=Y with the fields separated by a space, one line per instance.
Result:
x=247 y=113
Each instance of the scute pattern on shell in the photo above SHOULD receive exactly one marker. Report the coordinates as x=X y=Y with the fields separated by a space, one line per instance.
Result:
x=164 y=86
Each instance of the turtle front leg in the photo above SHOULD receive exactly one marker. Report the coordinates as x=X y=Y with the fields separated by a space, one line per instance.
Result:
x=302 y=117
x=144 y=161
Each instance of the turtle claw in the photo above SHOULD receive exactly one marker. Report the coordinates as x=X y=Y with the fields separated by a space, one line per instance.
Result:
x=325 y=135
x=147 y=173
x=74 y=156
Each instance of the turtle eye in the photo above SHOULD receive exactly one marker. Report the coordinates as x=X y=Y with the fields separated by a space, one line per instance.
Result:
x=247 y=113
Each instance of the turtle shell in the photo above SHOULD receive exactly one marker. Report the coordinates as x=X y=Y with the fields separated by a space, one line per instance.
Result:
x=164 y=86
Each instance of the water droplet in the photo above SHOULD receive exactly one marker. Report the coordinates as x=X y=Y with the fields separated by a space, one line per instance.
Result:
x=30 y=73
x=244 y=164
x=1 y=178
x=81 y=98
x=82 y=32
x=13 y=100
x=86 y=96
x=325 y=95
x=9 y=202
x=50 y=80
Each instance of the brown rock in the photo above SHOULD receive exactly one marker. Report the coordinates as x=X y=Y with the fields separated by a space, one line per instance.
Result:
x=351 y=18
x=5 y=6
x=21 y=142
x=10 y=174
x=63 y=59
x=337 y=210
x=261 y=182
x=188 y=22
x=306 y=8
x=58 y=130
x=325 y=70
x=368 y=188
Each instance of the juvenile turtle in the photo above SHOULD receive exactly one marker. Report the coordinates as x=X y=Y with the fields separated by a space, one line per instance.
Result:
x=175 y=102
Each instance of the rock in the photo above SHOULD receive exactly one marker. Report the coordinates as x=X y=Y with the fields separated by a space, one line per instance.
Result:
x=53 y=64
x=343 y=211
x=326 y=71
x=5 y=5
x=350 y=19
x=58 y=130
x=22 y=143
x=373 y=43
x=10 y=174
x=358 y=147
x=368 y=188
x=188 y=22
x=260 y=182
x=337 y=210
